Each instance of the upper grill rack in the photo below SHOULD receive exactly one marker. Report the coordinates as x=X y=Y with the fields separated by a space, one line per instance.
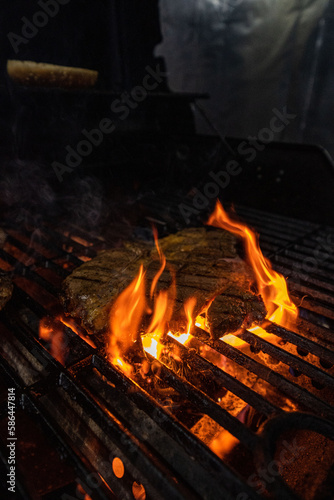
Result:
x=92 y=413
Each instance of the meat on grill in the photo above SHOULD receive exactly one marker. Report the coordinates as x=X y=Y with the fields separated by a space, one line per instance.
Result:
x=6 y=289
x=206 y=266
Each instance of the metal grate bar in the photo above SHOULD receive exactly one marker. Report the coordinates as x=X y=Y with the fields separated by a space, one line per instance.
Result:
x=289 y=359
x=294 y=338
x=227 y=381
x=289 y=388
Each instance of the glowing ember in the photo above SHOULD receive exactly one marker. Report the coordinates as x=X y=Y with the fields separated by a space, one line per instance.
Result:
x=223 y=444
x=233 y=340
x=271 y=285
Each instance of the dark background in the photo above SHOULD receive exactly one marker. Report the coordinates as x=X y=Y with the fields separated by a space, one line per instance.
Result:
x=115 y=38
x=249 y=56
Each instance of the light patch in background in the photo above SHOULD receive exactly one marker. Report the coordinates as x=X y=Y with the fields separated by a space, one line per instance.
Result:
x=252 y=56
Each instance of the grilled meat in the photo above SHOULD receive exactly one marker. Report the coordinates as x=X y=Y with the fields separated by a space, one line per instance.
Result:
x=205 y=264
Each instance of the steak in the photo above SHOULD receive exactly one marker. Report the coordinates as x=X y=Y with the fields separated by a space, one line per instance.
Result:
x=6 y=289
x=205 y=264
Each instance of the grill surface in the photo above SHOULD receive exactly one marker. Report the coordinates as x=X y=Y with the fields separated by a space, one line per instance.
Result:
x=82 y=413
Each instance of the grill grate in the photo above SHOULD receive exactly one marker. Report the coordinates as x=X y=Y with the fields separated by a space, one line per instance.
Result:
x=91 y=413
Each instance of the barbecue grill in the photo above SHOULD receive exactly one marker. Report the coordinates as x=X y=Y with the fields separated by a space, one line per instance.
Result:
x=93 y=431
x=85 y=429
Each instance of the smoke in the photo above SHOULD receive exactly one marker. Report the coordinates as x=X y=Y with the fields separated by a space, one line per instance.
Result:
x=29 y=196
x=85 y=202
x=26 y=195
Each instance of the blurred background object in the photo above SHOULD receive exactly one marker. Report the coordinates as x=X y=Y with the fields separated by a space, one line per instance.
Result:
x=252 y=56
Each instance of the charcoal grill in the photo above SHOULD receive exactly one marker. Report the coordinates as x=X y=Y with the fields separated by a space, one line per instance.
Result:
x=75 y=417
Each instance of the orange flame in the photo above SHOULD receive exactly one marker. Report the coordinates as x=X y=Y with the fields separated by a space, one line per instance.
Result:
x=128 y=310
x=125 y=318
x=184 y=338
x=162 y=259
x=70 y=323
x=163 y=307
x=161 y=314
x=51 y=331
x=189 y=307
x=201 y=322
x=162 y=310
x=223 y=444
x=272 y=285
x=152 y=346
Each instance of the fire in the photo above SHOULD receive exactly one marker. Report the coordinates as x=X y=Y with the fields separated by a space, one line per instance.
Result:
x=162 y=259
x=162 y=313
x=162 y=309
x=130 y=307
x=234 y=340
x=184 y=338
x=271 y=285
x=51 y=330
x=223 y=444
x=125 y=318
x=70 y=323
x=152 y=346
x=189 y=307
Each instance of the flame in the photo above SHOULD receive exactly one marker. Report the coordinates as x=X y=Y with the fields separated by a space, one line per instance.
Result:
x=128 y=310
x=51 y=331
x=162 y=309
x=201 y=322
x=184 y=338
x=161 y=314
x=189 y=307
x=70 y=323
x=271 y=285
x=223 y=444
x=234 y=340
x=163 y=305
x=152 y=346
x=125 y=318
x=162 y=259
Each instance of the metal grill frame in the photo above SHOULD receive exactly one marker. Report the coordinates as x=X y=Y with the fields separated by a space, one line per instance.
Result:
x=118 y=418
